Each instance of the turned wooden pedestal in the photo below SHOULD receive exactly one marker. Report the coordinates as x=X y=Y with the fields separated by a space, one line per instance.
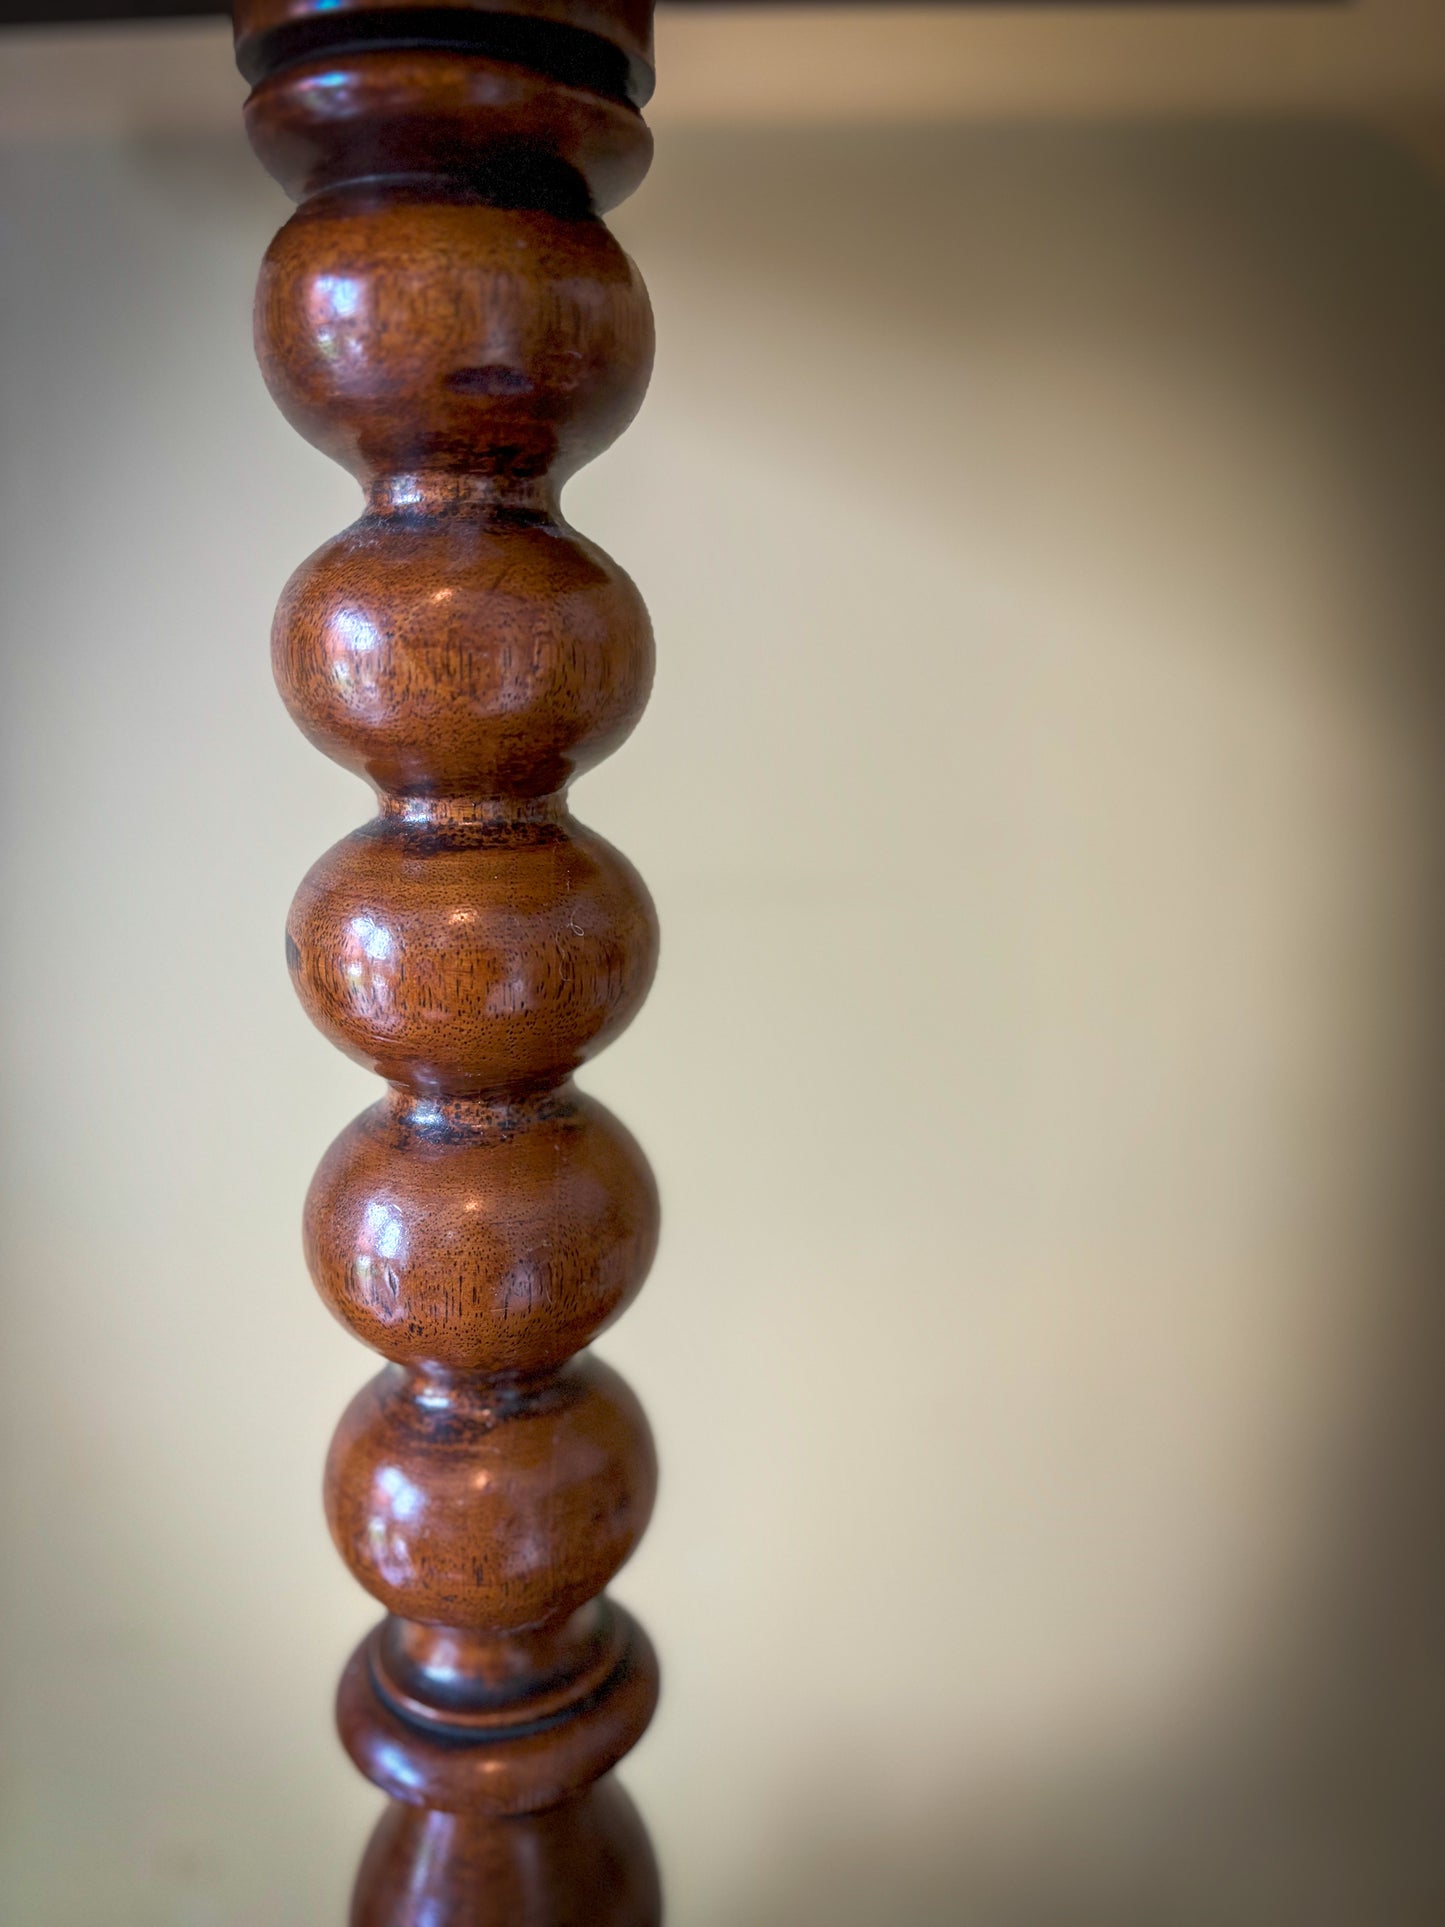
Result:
x=447 y=316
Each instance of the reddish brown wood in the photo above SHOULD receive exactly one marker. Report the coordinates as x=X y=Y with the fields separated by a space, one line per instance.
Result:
x=586 y=1864
x=447 y=316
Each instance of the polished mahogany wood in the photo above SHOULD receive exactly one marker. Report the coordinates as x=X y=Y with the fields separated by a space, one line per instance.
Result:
x=447 y=316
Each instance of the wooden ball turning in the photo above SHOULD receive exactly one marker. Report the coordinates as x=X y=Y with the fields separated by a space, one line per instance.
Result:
x=447 y=317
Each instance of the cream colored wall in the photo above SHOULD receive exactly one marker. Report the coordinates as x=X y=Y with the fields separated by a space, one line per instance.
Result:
x=1042 y=799
x=887 y=62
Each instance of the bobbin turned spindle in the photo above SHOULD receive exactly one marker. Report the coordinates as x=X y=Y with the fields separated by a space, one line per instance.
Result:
x=448 y=317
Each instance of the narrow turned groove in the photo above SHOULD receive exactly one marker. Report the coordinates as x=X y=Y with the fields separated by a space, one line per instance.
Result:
x=563 y=53
x=447 y=317
x=547 y=1706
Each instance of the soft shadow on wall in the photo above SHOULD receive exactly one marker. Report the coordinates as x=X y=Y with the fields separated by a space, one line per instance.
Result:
x=1295 y=277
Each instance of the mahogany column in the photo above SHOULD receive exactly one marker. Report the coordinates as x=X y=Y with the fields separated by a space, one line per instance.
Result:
x=447 y=316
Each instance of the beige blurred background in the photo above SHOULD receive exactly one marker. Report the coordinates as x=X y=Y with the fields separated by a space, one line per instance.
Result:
x=1041 y=502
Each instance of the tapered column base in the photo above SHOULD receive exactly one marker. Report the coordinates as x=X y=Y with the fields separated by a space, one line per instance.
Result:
x=587 y=1863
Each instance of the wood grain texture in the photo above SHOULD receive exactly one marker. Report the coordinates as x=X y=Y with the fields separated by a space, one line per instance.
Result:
x=447 y=317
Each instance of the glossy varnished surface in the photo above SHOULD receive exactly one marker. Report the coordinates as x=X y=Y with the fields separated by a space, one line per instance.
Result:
x=375 y=655
x=473 y=958
x=412 y=332
x=446 y=316
x=464 y=1500
x=435 y=1230
x=586 y=1864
